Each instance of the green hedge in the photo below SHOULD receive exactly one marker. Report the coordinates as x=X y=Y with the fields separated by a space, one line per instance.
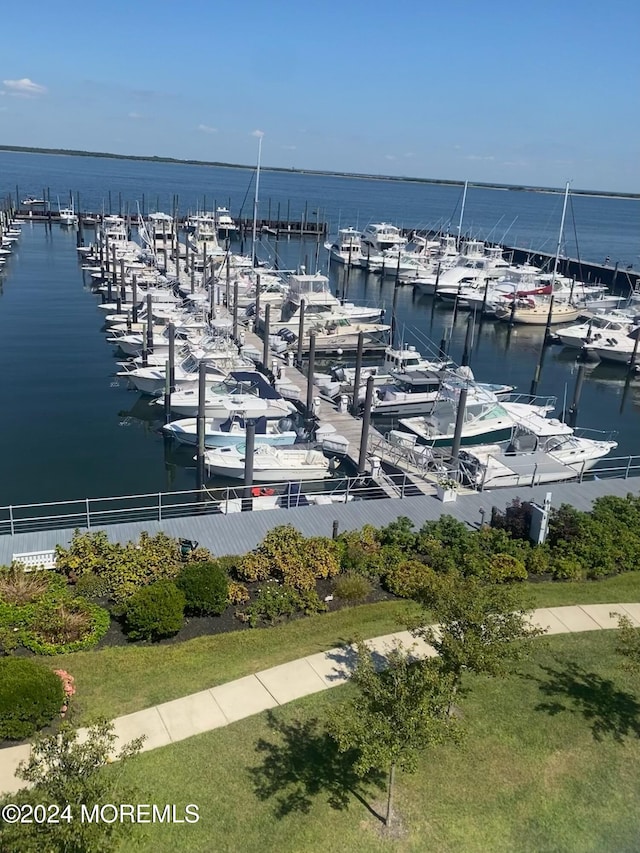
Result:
x=155 y=611
x=206 y=588
x=31 y=696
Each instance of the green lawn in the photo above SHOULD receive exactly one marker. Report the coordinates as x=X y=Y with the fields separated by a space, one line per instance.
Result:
x=116 y=681
x=550 y=763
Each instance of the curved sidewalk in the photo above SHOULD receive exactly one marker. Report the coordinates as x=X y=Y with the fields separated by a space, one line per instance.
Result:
x=211 y=709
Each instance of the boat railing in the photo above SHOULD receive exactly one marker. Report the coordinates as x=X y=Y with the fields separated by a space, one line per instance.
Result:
x=531 y=400
x=595 y=434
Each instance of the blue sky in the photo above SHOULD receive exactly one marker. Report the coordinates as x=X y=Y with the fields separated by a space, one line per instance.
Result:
x=537 y=93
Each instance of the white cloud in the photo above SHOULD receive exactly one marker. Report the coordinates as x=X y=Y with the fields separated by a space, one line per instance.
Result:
x=24 y=88
x=390 y=157
x=479 y=157
x=258 y=133
x=205 y=128
x=514 y=163
x=135 y=115
x=409 y=154
x=290 y=147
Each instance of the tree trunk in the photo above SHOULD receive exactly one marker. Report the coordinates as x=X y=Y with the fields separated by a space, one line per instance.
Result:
x=454 y=690
x=392 y=779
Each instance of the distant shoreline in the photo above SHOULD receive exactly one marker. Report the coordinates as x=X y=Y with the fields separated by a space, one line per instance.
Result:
x=67 y=152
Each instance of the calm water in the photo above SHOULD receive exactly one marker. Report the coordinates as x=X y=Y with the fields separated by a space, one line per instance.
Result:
x=71 y=430
x=596 y=227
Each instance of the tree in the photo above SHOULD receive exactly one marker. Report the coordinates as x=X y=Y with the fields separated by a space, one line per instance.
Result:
x=64 y=771
x=396 y=714
x=628 y=644
x=481 y=624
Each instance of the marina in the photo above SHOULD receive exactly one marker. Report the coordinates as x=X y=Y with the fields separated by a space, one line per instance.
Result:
x=373 y=457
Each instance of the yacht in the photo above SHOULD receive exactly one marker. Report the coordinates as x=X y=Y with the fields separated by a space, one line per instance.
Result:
x=225 y=225
x=322 y=308
x=534 y=311
x=346 y=248
x=486 y=417
x=380 y=236
x=540 y=450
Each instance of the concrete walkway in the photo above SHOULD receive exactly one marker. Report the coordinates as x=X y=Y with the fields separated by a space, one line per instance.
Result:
x=211 y=709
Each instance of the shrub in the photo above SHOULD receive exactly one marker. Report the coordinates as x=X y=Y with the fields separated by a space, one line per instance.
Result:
x=30 y=697
x=238 y=593
x=516 y=519
x=65 y=625
x=406 y=579
x=360 y=551
x=272 y=604
x=399 y=533
x=92 y=586
x=309 y=602
x=537 y=560
x=206 y=588
x=352 y=587
x=504 y=568
x=286 y=556
x=229 y=562
x=567 y=569
x=18 y=587
x=155 y=611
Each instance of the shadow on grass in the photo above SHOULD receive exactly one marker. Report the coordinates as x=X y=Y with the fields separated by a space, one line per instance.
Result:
x=303 y=763
x=612 y=712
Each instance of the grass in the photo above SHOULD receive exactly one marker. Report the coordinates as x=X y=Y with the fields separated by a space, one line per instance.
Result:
x=116 y=681
x=550 y=763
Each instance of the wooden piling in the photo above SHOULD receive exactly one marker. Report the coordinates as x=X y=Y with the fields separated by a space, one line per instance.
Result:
x=250 y=442
x=265 y=346
x=311 y=369
x=457 y=433
x=358 y=375
x=201 y=423
x=134 y=298
x=366 y=424
x=468 y=339
x=301 y=332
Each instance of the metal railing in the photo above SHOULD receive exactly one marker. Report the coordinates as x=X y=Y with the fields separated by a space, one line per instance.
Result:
x=90 y=513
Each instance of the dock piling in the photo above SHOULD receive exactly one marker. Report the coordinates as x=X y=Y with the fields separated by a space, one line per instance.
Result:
x=312 y=367
x=366 y=424
x=200 y=424
x=300 y=332
x=358 y=374
x=134 y=298
x=250 y=443
x=572 y=414
x=265 y=347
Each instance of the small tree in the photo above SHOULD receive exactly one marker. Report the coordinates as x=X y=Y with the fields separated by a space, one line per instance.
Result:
x=64 y=771
x=481 y=625
x=628 y=644
x=395 y=715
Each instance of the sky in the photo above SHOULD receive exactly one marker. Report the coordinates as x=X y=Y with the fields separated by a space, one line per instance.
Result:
x=535 y=93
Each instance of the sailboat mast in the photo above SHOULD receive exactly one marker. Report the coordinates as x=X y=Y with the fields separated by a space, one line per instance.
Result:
x=464 y=201
x=559 y=246
x=255 y=204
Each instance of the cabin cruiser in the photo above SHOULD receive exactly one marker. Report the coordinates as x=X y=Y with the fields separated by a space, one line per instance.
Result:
x=346 y=248
x=593 y=328
x=617 y=346
x=487 y=418
x=225 y=225
x=540 y=450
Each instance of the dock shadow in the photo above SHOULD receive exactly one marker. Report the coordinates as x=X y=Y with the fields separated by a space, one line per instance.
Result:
x=302 y=763
x=611 y=712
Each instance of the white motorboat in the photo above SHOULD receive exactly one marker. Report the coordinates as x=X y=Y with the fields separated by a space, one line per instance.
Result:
x=224 y=223
x=245 y=392
x=615 y=346
x=346 y=248
x=270 y=464
x=540 y=450
x=232 y=431
x=379 y=236
x=486 y=417
x=68 y=216
x=592 y=329
x=322 y=308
